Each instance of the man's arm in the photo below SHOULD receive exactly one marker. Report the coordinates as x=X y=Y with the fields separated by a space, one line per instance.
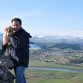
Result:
x=20 y=41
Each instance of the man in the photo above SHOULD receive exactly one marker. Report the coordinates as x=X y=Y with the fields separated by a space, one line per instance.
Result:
x=21 y=51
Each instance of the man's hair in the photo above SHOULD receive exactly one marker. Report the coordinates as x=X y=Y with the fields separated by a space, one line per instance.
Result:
x=17 y=19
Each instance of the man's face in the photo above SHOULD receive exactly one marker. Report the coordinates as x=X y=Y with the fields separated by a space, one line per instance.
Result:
x=16 y=25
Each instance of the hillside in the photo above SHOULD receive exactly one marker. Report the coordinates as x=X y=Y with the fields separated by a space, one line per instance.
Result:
x=49 y=42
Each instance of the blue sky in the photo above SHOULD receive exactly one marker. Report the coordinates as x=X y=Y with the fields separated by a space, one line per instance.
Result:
x=58 y=17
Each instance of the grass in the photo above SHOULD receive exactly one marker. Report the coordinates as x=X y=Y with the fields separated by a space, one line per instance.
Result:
x=37 y=63
x=48 y=76
x=42 y=76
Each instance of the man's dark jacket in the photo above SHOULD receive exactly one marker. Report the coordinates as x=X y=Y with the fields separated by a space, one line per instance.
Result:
x=22 y=50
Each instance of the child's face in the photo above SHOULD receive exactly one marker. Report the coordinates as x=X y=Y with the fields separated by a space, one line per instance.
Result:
x=9 y=31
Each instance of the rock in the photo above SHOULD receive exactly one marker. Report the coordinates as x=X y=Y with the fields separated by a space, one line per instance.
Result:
x=5 y=75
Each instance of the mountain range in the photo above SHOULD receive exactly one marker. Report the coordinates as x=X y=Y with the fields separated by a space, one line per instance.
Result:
x=53 y=39
x=57 y=39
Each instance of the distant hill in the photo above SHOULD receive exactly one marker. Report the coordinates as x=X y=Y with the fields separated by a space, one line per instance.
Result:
x=48 y=42
x=57 y=39
x=65 y=46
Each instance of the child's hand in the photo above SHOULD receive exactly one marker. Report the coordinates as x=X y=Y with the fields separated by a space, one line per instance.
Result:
x=5 y=41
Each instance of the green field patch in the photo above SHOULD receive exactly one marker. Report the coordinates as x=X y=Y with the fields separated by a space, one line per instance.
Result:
x=43 y=76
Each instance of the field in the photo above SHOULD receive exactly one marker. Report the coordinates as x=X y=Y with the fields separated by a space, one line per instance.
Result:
x=36 y=63
x=42 y=76
x=48 y=76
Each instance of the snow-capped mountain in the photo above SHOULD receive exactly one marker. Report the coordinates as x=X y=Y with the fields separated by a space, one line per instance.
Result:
x=57 y=39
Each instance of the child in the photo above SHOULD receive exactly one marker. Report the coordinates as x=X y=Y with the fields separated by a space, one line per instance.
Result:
x=12 y=44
